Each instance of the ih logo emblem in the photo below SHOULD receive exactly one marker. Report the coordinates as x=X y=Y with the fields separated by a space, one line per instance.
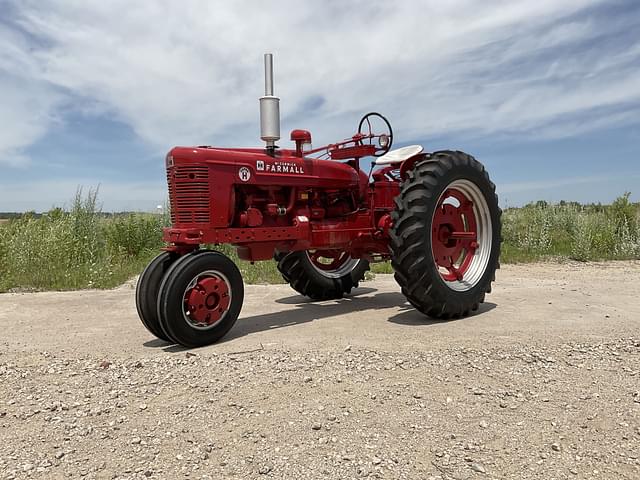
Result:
x=244 y=173
x=260 y=165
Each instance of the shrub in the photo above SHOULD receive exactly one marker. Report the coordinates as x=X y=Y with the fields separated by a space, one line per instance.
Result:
x=133 y=234
x=62 y=250
x=568 y=229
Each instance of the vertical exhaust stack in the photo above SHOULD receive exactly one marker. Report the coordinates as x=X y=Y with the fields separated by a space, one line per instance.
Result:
x=269 y=107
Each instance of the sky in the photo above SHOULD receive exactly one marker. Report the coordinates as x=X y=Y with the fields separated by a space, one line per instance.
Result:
x=545 y=93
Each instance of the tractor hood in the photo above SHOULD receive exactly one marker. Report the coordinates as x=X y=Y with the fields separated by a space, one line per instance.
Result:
x=255 y=166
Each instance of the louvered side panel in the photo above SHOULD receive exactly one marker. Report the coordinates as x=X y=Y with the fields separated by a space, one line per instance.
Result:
x=189 y=194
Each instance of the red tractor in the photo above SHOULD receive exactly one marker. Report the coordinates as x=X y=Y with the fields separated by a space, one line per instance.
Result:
x=434 y=215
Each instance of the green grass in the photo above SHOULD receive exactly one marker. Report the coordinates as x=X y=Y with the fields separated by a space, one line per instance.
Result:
x=541 y=231
x=84 y=248
x=80 y=248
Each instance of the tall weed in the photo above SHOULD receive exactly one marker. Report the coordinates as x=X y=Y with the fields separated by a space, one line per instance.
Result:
x=580 y=232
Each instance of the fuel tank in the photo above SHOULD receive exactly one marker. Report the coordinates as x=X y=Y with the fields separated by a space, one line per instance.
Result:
x=201 y=179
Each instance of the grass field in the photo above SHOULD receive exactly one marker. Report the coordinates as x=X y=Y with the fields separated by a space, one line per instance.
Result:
x=83 y=248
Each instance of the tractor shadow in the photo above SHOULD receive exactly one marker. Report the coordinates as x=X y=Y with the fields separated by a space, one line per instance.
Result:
x=414 y=318
x=306 y=311
x=300 y=299
x=156 y=343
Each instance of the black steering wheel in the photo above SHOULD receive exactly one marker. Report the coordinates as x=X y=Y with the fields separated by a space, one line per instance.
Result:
x=385 y=140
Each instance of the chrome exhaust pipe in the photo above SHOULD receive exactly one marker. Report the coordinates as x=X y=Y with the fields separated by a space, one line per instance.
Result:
x=269 y=107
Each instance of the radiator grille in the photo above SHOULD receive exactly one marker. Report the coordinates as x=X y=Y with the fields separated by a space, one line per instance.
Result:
x=189 y=194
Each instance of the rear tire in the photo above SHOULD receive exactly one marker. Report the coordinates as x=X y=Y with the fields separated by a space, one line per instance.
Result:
x=445 y=256
x=147 y=290
x=311 y=280
x=200 y=298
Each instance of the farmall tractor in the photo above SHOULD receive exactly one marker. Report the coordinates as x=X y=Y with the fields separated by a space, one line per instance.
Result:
x=323 y=220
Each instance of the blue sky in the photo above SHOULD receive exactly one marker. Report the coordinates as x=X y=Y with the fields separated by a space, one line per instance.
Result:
x=545 y=93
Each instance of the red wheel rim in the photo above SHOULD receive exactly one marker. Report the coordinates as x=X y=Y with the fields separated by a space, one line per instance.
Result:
x=206 y=300
x=454 y=238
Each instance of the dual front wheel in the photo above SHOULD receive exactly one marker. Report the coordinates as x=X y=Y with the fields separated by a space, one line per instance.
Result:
x=193 y=300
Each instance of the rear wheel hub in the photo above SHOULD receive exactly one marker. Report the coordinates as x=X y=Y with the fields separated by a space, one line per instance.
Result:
x=454 y=237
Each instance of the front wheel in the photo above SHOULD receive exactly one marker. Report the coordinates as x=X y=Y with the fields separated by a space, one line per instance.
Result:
x=445 y=239
x=200 y=298
x=147 y=290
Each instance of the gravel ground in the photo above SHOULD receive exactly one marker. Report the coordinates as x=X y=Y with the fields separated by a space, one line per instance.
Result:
x=543 y=383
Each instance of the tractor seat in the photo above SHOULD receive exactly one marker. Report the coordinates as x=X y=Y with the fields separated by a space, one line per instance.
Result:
x=399 y=155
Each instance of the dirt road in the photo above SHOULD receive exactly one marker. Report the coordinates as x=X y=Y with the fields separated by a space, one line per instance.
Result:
x=544 y=382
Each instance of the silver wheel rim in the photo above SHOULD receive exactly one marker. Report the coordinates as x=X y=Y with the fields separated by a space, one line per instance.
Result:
x=480 y=261
x=194 y=281
x=347 y=266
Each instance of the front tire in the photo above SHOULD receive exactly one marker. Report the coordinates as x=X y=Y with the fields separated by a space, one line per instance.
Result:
x=445 y=238
x=322 y=275
x=200 y=299
x=147 y=290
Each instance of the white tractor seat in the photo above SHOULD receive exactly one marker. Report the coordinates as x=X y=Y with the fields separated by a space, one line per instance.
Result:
x=399 y=155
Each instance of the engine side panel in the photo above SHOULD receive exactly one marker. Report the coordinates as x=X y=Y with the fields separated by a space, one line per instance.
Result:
x=262 y=203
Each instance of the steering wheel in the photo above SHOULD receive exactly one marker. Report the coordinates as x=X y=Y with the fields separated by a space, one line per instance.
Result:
x=385 y=140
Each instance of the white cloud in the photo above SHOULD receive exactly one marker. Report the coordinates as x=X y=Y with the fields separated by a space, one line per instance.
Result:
x=191 y=72
x=27 y=105
x=27 y=110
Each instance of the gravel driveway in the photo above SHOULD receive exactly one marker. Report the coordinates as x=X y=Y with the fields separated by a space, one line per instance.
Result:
x=543 y=382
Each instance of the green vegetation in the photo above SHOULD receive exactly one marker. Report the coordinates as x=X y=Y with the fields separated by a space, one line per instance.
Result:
x=541 y=231
x=80 y=248
x=84 y=248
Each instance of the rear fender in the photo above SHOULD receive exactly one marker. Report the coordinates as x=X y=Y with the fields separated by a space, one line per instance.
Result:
x=410 y=162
